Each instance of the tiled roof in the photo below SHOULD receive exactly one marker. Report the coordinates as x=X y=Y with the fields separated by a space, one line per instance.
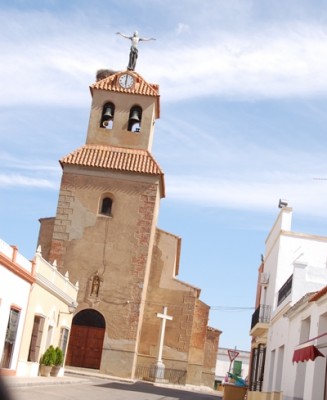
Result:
x=141 y=86
x=319 y=294
x=117 y=158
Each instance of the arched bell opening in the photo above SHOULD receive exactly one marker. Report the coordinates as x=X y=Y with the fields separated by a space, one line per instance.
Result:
x=134 y=120
x=107 y=118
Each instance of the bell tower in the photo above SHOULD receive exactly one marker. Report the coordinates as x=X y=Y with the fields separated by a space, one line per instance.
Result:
x=105 y=236
x=104 y=229
x=123 y=112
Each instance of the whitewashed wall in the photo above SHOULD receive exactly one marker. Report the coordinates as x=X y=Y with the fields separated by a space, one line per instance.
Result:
x=14 y=291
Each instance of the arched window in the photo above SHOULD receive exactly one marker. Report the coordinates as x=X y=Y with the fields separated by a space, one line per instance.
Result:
x=107 y=118
x=106 y=206
x=134 y=120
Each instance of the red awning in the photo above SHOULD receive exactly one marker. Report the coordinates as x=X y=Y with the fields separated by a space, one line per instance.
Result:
x=306 y=353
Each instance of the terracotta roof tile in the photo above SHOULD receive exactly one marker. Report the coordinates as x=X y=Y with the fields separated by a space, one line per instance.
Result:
x=117 y=158
x=319 y=294
x=141 y=86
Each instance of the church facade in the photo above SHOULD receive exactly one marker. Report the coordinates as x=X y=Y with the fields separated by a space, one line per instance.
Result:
x=105 y=235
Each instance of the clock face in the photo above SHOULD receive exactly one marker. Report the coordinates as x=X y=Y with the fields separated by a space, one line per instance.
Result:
x=126 y=81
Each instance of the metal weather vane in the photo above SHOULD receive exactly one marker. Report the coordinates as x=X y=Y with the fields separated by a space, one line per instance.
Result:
x=133 y=54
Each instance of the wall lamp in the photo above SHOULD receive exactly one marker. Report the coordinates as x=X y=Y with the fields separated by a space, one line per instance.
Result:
x=71 y=309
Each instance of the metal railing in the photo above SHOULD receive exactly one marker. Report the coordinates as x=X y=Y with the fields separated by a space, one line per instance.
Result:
x=257 y=368
x=285 y=290
x=261 y=315
x=176 y=376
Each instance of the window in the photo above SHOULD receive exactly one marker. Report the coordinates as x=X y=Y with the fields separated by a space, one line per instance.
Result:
x=63 y=339
x=49 y=336
x=106 y=206
x=258 y=367
x=107 y=118
x=10 y=338
x=237 y=368
x=134 y=121
x=34 y=351
x=285 y=290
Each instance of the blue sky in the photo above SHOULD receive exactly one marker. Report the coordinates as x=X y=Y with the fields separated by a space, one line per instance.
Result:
x=243 y=89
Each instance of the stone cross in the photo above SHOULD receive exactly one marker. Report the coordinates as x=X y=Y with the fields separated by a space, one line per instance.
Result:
x=164 y=316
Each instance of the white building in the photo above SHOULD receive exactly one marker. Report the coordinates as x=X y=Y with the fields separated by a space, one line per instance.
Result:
x=36 y=306
x=294 y=266
x=224 y=363
x=305 y=356
x=16 y=279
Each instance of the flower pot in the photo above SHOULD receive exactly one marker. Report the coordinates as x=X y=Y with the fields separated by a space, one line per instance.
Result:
x=55 y=370
x=45 y=370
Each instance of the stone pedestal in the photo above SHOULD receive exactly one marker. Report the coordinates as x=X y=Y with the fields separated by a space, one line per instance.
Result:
x=157 y=372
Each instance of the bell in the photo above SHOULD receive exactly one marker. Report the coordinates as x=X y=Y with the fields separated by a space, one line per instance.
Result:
x=106 y=123
x=135 y=116
x=107 y=114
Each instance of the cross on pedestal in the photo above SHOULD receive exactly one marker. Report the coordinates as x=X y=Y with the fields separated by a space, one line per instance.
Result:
x=164 y=316
x=158 y=372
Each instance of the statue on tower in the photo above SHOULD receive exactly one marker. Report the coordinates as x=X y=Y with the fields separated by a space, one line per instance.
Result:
x=135 y=39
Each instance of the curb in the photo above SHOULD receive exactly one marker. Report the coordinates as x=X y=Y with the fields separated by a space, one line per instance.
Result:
x=41 y=381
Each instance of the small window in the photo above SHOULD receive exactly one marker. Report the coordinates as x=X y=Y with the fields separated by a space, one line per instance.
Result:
x=64 y=332
x=106 y=206
x=134 y=121
x=10 y=339
x=37 y=332
x=107 y=118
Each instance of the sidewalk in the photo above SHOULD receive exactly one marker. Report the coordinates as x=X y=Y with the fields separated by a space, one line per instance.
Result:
x=17 y=381
x=76 y=375
x=72 y=376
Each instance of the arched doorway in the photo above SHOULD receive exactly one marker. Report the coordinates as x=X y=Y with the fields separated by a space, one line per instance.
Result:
x=86 y=340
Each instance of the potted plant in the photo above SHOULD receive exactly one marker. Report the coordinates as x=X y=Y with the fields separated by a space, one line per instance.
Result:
x=47 y=361
x=58 y=361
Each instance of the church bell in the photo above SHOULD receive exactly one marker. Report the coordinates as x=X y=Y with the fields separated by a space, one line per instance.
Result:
x=135 y=116
x=108 y=113
x=107 y=116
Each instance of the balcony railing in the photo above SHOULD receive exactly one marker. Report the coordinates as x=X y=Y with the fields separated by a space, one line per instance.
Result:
x=261 y=315
x=285 y=290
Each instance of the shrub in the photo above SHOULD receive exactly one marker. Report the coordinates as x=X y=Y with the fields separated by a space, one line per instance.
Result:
x=59 y=359
x=49 y=356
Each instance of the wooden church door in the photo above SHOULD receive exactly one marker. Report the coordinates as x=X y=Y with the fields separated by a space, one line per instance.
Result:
x=86 y=340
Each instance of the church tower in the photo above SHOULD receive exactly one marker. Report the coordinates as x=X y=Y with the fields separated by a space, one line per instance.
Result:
x=106 y=219
x=105 y=236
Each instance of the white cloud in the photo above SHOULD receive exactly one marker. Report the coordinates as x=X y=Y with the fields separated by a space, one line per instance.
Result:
x=272 y=61
x=9 y=161
x=17 y=180
x=265 y=64
x=182 y=28
x=259 y=195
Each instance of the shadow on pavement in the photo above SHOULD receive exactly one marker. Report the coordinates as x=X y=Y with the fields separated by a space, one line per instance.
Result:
x=169 y=392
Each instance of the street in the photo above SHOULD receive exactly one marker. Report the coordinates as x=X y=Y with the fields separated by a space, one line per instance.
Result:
x=100 y=389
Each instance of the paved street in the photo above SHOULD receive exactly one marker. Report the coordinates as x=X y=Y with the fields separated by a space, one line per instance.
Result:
x=100 y=389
